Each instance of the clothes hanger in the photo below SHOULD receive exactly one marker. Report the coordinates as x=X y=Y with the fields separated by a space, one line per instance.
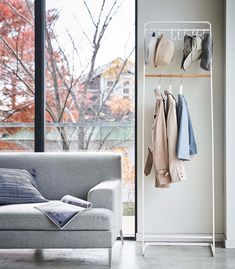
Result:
x=170 y=86
x=181 y=85
x=172 y=37
x=159 y=83
x=178 y=35
x=159 y=33
x=158 y=86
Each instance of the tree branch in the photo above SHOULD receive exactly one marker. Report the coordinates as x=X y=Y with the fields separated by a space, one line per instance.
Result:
x=19 y=77
x=17 y=58
x=89 y=12
x=53 y=73
x=105 y=138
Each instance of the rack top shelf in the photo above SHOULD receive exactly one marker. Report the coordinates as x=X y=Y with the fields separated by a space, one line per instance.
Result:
x=193 y=75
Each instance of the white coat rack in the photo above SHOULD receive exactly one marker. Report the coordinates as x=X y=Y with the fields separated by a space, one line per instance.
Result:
x=175 y=34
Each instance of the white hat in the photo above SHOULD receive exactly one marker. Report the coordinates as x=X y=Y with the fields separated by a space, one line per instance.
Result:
x=146 y=48
x=149 y=48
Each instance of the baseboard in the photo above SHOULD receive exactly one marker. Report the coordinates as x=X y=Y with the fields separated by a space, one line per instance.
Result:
x=229 y=243
x=219 y=237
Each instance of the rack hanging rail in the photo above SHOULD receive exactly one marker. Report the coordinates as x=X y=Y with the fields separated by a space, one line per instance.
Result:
x=178 y=30
x=178 y=75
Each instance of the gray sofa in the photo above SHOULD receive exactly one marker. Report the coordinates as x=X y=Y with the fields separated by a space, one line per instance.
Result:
x=92 y=176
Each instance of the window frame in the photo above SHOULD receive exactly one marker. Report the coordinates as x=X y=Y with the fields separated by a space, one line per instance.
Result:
x=39 y=37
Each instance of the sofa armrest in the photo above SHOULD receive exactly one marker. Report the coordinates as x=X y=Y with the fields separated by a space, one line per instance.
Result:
x=108 y=194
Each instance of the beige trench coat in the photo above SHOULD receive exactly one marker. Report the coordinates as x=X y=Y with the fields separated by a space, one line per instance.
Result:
x=162 y=154
x=158 y=153
x=176 y=166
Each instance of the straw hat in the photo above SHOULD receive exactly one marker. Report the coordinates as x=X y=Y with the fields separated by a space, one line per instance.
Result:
x=164 y=51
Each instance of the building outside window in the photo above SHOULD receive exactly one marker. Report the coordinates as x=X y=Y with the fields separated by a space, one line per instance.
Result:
x=126 y=83
x=126 y=91
x=109 y=83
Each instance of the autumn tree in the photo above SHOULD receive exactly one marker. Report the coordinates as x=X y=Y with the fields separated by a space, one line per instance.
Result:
x=67 y=97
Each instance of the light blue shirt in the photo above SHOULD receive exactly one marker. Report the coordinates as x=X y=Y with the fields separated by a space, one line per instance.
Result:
x=186 y=144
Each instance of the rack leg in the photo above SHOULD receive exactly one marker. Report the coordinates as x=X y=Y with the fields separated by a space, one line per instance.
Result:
x=110 y=256
x=212 y=250
x=144 y=245
x=143 y=249
x=121 y=237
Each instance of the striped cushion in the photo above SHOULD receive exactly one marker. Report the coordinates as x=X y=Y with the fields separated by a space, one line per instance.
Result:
x=18 y=187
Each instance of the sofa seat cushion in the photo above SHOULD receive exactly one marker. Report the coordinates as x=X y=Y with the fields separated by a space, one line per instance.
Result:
x=26 y=217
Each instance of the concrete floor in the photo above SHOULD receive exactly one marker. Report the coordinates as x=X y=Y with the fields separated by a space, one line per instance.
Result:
x=127 y=256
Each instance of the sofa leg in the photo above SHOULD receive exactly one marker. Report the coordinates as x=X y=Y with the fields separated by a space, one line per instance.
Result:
x=121 y=236
x=38 y=254
x=110 y=256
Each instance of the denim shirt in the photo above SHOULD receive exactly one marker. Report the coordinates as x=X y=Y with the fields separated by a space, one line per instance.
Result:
x=186 y=144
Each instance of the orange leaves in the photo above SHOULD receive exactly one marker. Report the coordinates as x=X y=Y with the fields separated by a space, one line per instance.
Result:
x=23 y=113
x=116 y=68
x=120 y=105
x=10 y=146
x=127 y=166
x=17 y=33
x=52 y=15
x=128 y=170
x=14 y=14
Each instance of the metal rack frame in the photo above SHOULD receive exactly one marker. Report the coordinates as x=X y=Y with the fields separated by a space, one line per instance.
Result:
x=211 y=237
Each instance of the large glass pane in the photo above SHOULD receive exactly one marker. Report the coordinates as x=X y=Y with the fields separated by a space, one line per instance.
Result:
x=16 y=75
x=90 y=82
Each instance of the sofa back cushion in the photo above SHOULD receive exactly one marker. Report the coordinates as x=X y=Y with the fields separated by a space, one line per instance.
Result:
x=58 y=174
x=17 y=186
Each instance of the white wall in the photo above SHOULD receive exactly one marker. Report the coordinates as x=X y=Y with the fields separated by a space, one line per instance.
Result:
x=185 y=207
x=230 y=125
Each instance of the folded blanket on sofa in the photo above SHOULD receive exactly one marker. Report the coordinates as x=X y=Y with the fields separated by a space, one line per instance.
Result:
x=62 y=212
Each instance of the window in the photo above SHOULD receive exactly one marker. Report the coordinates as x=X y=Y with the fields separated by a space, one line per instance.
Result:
x=109 y=83
x=85 y=105
x=126 y=91
x=126 y=83
x=16 y=75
